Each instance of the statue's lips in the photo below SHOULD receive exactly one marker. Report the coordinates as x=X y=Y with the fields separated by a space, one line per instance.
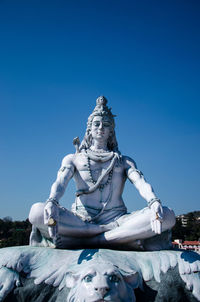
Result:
x=100 y=133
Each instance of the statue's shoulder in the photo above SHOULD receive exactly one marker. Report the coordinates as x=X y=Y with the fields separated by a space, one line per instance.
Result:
x=68 y=159
x=128 y=162
x=77 y=159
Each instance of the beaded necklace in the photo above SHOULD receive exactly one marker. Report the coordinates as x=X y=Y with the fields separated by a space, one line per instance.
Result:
x=101 y=186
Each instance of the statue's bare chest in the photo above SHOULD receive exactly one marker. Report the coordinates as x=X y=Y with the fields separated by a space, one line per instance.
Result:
x=86 y=167
x=83 y=163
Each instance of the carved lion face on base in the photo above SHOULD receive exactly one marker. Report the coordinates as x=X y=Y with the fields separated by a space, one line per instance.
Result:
x=101 y=282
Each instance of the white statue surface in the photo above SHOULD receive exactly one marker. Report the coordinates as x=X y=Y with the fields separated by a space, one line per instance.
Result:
x=97 y=275
x=99 y=218
x=104 y=254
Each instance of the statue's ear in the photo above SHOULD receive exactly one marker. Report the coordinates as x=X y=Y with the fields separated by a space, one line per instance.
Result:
x=133 y=279
x=131 y=276
x=71 y=279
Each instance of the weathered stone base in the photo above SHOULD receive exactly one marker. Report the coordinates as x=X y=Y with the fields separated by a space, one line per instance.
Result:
x=170 y=289
x=45 y=274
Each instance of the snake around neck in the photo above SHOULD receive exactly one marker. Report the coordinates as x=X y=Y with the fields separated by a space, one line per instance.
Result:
x=99 y=156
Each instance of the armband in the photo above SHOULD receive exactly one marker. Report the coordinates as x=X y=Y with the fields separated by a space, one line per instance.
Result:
x=53 y=200
x=139 y=172
x=131 y=170
x=69 y=167
x=151 y=201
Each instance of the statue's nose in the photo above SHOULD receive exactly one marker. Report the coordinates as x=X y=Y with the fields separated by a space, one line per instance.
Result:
x=100 y=125
x=102 y=290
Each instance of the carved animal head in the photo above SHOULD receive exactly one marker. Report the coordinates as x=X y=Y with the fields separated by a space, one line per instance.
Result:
x=101 y=282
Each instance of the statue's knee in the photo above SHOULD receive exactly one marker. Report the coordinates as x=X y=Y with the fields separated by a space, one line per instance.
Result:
x=169 y=218
x=36 y=213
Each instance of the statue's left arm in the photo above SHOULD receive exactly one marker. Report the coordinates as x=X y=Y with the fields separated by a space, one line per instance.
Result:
x=146 y=191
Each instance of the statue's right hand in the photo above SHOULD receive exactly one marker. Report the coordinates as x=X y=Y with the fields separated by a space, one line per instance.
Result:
x=51 y=215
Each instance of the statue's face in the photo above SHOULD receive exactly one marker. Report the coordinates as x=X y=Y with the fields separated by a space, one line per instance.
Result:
x=101 y=128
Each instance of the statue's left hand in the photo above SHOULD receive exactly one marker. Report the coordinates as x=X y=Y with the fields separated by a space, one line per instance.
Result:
x=51 y=213
x=156 y=217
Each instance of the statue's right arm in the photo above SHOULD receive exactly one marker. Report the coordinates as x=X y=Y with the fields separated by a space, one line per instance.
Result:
x=65 y=173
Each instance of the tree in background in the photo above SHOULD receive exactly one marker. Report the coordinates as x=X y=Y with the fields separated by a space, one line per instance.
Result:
x=189 y=232
x=13 y=233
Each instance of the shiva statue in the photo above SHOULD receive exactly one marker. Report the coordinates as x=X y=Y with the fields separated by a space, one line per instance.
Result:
x=99 y=217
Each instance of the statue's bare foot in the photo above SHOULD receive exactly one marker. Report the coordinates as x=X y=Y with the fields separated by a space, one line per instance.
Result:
x=135 y=245
x=58 y=242
x=62 y=242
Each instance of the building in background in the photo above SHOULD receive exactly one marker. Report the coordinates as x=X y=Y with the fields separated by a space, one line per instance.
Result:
x=187 y=245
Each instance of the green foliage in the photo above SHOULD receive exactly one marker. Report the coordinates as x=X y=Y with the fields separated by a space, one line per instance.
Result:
x=13 y=233
x=178 y=231
x=191 y=231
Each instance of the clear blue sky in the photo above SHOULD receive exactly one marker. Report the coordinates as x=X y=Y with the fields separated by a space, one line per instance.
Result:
x=57 y=57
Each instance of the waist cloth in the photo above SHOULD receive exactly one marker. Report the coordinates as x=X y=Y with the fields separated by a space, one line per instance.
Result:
x=98 y=216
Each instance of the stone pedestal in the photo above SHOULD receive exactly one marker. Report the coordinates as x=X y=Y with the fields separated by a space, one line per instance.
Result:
x=45 y=274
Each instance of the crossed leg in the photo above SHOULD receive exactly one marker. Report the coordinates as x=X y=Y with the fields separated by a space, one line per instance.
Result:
x=124 y=233
x=137 y=225
x=69 y=226
x=134 y=232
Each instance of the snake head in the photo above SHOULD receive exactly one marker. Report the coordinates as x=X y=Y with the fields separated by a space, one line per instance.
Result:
x=76 y=143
